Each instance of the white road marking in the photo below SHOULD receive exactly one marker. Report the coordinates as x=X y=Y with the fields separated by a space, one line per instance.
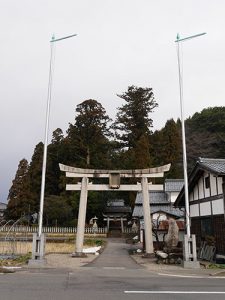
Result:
x=183 y=276
x=191 y=276
x=173 y=292
x=114 y=268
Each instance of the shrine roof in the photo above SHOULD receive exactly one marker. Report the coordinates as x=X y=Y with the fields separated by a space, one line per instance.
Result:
x=167 y=209
x=173 y=185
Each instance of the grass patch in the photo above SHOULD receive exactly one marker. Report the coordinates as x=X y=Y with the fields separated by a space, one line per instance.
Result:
x=216 y=266
x=17 y=261
x=94 y=242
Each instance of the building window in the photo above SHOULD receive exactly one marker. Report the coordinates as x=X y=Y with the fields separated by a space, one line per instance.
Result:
x=207 y=182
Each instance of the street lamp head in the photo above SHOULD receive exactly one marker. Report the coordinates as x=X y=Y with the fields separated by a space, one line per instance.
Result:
x=62 y=38
x=189 y=37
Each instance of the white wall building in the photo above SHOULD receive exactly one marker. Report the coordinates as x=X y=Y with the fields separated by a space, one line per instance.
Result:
x=206 y=185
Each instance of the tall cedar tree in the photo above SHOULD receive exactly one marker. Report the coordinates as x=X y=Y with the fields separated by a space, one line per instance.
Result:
x=132 y=120
x=172 y=148
x=35 y=173
x=133 y=125
x=166 y=147
x=88 y=137
x=56 y=155
x=20 y=200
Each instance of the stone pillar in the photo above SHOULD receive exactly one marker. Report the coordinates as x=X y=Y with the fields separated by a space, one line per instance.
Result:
x=81 y=218
x=107 y=224
x=121 y=221
x=190 y=253
x=147 y=217
x=38 y=251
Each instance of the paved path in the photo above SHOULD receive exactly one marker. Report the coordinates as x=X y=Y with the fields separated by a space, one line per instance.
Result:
x=115 y=256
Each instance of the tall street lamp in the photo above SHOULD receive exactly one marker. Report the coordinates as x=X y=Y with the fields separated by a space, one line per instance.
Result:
x=178 y=41
x=38 y=241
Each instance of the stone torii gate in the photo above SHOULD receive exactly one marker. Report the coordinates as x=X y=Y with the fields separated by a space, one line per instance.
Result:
x=114 y=185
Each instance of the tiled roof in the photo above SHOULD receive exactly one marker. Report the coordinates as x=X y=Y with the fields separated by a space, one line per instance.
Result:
x=117 y=209
x=154 y=196
x=138 y=210
x=173 y=185
x=213 y=164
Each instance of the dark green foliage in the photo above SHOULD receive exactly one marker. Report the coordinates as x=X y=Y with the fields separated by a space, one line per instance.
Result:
x=210 y=119
x=132 y=120
x=205 y=135
x=20 y=201
x=35 y=172
x=88 y=137
x=167 y=148
x=57 y=211
x=133 y=126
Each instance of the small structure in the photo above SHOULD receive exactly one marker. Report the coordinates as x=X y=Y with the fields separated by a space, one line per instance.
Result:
x=2 y=210
x=206 y=186
x=115 y=214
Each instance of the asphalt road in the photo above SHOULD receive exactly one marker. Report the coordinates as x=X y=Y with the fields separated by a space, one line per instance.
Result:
x=114 y=275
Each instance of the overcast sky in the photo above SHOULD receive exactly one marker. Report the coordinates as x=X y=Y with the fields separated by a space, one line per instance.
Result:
x=119 y=43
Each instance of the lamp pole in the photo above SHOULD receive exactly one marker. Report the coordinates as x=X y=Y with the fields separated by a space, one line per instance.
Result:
x=178 y=41
x=52 y=43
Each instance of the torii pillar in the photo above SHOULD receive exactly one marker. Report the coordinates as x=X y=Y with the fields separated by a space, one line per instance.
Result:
x=147 y=217
x=81 y=218
x=114 y=185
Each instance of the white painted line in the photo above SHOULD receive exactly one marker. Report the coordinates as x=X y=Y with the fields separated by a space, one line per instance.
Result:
x=182 y=276
x=191 y=276
x=113 y=268
x=173 y=292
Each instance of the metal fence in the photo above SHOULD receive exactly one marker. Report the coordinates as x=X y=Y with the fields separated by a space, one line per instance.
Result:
x=56 y=229
x=53 y=229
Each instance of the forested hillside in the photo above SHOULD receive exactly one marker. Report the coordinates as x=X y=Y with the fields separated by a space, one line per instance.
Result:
x=205 y=132
x=96 y=141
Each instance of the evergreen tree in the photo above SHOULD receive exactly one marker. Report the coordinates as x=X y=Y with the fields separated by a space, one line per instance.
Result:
x=133 y=120
x=142 y=158
x=57 y=136
x=88 y=137
x=56 y=155
x=20 y=200
x=57 y=211
x=35 y=174
x=166 y=147
x=133 y=125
